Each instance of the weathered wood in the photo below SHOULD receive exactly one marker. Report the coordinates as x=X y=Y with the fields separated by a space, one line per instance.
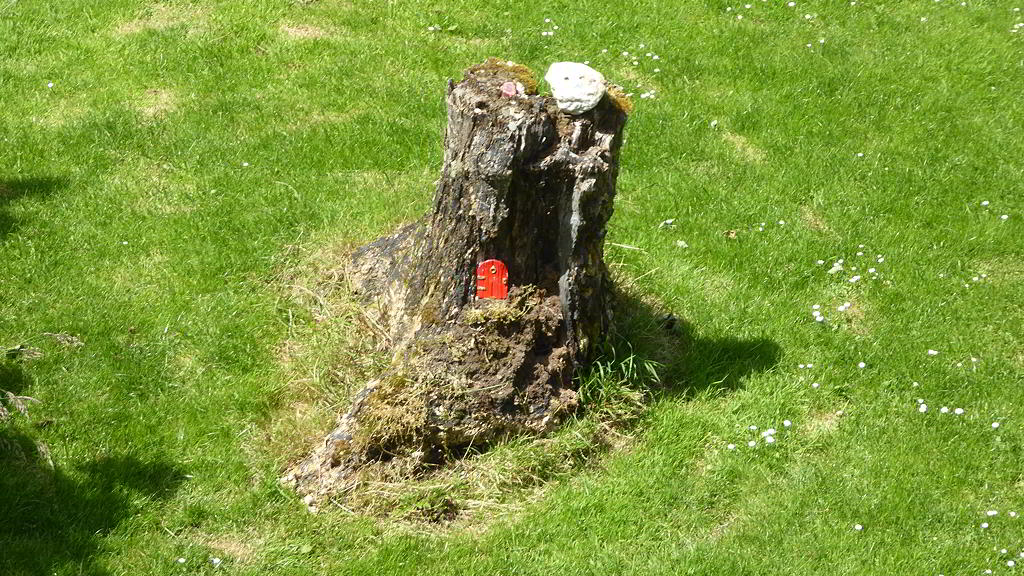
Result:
x=526 y=184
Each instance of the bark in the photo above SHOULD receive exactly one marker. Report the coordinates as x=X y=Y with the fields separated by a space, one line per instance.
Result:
x=526 y=184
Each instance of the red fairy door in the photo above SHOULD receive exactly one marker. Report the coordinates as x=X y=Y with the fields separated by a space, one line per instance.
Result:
x=492 y=280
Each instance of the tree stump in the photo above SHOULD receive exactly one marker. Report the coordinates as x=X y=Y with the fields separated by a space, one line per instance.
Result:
x=525 y=184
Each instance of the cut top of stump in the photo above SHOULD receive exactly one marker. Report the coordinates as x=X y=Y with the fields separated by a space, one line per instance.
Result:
x=486 y=82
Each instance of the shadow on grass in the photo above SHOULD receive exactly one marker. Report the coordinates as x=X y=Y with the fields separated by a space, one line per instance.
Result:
x=692 y=365
x=13 y=378
x=51 y=520
x=13 y=189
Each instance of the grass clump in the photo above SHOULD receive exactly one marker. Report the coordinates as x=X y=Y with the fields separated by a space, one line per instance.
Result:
x=617 y=387
x=494 y=311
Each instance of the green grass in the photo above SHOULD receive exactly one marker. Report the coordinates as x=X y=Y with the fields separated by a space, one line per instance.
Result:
x=194 y=162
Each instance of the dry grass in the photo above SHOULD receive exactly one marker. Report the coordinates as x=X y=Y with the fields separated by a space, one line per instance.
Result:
x=332 y=349
x=157 y=103
x=61 y=114
x=238 y=548
x=302 y=31
x=161 y=17
x=813 y=220
x=822 y=423
x=743 y=147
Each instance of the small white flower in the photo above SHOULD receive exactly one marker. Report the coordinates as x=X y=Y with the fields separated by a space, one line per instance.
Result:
x=1011 y=563
x=984 y=202
x=245 y=164
x=655 y=57
x=816 y=307
x=801 y=365
x=840 y=412
x=547 y=20
x=860 y=154
x=810 y=365
x=1004 y=217
x=815 y=385
x=782 y=222
x=791 y=4
x=871 y=270
x=933 y=352
x=752 y=428
x=854 y=279
x=995 y=425
x=819 y=318
x=787 y=423
x=554 y=27
x=604 y=50
x=49 y=85
x=656 y=70
x=752 y=443
x=958 y=411
x=861 y=365
x=944 y=410
x=731 y=446
x=820 y=262
x=181 y=560
x=769 y=439
x=769 y=432
x=858 y=527
x=215 y=561
x=922 y=408
x=1014 y=515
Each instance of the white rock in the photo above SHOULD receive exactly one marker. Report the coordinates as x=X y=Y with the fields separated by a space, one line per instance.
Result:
x=576 y=87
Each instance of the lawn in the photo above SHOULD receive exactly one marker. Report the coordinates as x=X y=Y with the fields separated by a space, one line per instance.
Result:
x=178 y=182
